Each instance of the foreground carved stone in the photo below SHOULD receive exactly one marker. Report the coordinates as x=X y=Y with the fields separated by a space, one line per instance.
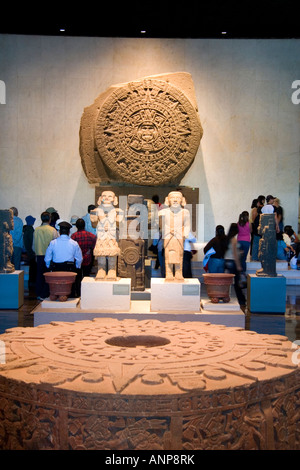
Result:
x=175 y=227
x=109 y=384
x=144 y=132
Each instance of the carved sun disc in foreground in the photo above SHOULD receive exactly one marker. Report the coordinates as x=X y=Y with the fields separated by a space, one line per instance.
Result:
x=111 y=385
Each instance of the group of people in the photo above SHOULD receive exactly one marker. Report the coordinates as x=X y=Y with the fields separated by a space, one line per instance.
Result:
x=288 y=246
x=229 y=252
x=55 y=245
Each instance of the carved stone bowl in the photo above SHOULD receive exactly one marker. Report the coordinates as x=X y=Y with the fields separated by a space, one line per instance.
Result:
x=131 y=385
x=218 y=286
x=60 y=284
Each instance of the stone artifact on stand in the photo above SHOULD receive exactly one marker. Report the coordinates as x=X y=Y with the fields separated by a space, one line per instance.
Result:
x=266 y=291
x=131 y=261
x=218 y=286
x=144 y=132
x=267 y=246
x=60 y=284
x=106 y=218
x=6 y=243
x=175 y=227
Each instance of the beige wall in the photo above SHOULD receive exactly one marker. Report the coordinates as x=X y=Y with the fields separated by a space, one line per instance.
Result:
x=251 y=127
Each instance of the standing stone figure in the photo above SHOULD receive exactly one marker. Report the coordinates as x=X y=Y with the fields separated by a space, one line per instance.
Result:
x=131 y=262
x=106 y=218
x=6 y=243
x=267 y=246
x=175 y=227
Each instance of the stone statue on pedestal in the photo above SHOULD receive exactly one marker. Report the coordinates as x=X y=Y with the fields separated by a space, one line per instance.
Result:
x=175 y=227
x=106 y=218
x=6 y=243
x=131 y=262
x=267 y=246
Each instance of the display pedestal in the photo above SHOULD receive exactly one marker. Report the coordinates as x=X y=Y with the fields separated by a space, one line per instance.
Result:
x=209 y=306
x=266 y=294
x=175 y=295
x=105 y=295
x=12 y=290
x=56 y=304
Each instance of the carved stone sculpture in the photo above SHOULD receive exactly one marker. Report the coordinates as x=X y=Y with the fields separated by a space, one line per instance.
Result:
x=175 y=227
x=145 y=132
x=267 y=246
x=218 y=286
x=106 y=218
x=60 y=284
x=6 y=243
x=131 y=261
x=148 y=385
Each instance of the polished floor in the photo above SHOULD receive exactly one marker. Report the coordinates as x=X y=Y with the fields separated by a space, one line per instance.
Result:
x=287 y=324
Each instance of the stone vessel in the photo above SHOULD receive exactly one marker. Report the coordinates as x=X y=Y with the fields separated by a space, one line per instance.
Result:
x=60 y=284
x=148 y=385
x=218 y=286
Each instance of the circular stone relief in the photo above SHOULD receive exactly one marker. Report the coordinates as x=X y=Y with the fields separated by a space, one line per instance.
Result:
x=147 y=132
x=110 y=384
x=131 y=255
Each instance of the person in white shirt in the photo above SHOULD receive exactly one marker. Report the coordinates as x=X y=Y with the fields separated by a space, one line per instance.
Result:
x=64 y=254
x=270 y=209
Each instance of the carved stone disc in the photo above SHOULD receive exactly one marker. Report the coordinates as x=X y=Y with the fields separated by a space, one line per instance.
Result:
x=147 y=132
x=111 y=385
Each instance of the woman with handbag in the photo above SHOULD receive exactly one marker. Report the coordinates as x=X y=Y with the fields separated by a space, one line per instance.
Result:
x=217 y=245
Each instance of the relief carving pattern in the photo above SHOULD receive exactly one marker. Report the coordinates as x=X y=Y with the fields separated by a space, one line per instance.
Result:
x=76 y=386
x=146 y=132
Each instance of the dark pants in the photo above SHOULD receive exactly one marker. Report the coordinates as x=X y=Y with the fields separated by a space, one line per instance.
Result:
x=16 y=257
x=230 y=267
x=187 y=266
x=41 y=286
x=32 y=271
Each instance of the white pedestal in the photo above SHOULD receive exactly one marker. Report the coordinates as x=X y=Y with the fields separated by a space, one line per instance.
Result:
x=105 y=295
x=56 y=304
x=232 y=306
x=175 y=295
x=12 y=290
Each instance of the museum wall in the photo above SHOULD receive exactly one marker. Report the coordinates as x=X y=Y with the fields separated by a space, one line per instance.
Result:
x=251 y=139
